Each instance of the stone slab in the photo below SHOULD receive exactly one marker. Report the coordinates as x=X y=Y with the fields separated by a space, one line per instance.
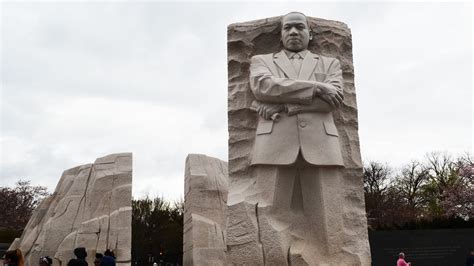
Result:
x=90 y=207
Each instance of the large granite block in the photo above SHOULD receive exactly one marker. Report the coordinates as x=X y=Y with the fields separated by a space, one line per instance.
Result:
x=346 y=213
x=90 y=207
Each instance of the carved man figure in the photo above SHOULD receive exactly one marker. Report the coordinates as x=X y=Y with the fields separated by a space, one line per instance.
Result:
x=298 y=157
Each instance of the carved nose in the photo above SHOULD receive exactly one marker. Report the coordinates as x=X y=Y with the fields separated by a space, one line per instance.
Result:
x=302 y=124
x=293 y=31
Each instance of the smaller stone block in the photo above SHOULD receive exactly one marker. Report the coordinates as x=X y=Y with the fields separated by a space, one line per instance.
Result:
x=205 y=206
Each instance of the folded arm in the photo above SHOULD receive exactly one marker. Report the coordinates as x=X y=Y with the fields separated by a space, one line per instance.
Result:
x=266 y=110
x=314 y=95
x=268 y=88
x=317 y=105
x=324 y=101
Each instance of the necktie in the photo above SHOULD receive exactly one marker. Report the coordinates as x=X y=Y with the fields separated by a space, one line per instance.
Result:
x=297 y=60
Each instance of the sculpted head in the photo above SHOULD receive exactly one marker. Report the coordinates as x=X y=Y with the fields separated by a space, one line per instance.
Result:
x=295 y=32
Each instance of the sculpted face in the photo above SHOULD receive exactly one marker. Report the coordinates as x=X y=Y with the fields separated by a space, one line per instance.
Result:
x=295 y=33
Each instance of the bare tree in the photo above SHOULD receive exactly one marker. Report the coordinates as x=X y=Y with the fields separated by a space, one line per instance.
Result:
x=378 y=199
x=409 y=185
x=18 y=204
x=441 y=168
x=376 y=177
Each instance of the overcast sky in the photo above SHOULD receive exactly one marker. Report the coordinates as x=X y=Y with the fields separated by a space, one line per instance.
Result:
x=81 y=80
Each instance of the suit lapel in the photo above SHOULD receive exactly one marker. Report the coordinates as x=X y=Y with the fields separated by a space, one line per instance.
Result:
x=282 y=61
x=308 y=65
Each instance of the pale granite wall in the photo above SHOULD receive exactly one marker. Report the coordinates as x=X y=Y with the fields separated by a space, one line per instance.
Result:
x=205 y=205
x=91 y=208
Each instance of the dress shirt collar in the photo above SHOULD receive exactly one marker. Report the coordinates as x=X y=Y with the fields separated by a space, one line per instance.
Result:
x=291 y=55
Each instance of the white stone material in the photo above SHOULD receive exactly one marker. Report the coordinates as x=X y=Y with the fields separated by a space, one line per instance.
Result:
x=91 y=208
x=316 y=216
x=205 y=204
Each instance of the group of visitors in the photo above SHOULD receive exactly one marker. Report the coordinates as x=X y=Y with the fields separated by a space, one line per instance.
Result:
x=106 y=259
x=15 y=258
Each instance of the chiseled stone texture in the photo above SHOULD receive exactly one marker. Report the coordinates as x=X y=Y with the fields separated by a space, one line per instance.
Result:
x=205 y=205
x=246 y=220
x=91 y=208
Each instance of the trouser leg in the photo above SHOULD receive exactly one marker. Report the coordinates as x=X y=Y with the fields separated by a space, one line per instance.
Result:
x=273 y=211
x=322 y=204
x=275 y=187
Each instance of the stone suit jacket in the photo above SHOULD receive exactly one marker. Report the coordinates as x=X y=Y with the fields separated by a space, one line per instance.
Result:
x=308 y=126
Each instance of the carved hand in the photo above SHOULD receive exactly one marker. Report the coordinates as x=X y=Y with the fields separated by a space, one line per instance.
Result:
x=266 y=110
x=330 y=95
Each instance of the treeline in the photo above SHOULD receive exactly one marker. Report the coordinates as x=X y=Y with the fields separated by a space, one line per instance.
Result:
x=16 y=206
x=157 y=231
x=437 y=192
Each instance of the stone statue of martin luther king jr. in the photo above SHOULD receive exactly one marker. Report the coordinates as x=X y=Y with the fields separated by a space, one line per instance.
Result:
x=298 y=156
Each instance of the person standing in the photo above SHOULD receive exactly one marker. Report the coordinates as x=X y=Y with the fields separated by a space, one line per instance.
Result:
x=81 y=255
x=45 y=261
x=108 y=259
x=14 y=258
x=470 y=258
x=98 y=258
x=401 y=260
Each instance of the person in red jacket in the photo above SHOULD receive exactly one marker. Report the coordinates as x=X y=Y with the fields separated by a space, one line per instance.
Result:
x=401 y=260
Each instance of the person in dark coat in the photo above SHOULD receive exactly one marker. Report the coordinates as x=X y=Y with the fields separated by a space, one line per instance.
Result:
x=81 y=255
x=108 y=259
x=470 y=258
x=14 y=258
x=98 y=258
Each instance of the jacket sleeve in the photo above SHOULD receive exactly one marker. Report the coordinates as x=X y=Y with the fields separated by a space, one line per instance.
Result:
x=333 y=80
x=268 y=88
x=318 y=106
x=334 y=77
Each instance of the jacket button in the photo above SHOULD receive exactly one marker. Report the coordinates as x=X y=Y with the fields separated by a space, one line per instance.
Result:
x=302 y=124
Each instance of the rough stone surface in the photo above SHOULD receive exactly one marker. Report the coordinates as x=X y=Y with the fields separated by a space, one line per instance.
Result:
x=91 y=208
x=205 y=204
x=253 y=237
